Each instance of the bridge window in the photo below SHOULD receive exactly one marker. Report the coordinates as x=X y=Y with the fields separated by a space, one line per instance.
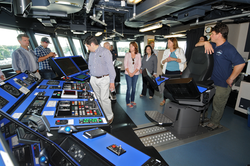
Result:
x=78 y=47
x=183 y=45
x=65 y=46
x=123 y=48
x=142 y=48
x=160 y=45
x=51 y=45
x=8 y=44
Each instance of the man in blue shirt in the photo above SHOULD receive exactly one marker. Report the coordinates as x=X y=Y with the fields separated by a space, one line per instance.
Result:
x=102 y=74
x=23 y=58
x=225 y=56
x=43 y=54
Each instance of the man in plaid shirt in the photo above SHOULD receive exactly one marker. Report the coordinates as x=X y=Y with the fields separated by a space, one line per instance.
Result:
x=43 y=54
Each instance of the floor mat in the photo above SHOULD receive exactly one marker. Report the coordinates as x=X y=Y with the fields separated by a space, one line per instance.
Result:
x=163 y=138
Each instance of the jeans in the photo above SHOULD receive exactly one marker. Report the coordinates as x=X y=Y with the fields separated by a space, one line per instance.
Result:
x=47 y=74
x=131 y=82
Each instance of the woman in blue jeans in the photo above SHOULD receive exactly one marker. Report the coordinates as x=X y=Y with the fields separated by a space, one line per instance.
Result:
x=132 y=64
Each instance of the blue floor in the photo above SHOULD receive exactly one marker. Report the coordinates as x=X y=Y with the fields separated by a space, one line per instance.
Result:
x=230 y=148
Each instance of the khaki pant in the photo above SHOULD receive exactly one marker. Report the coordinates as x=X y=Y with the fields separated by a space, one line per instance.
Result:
x=219 y=103
x=101 y=89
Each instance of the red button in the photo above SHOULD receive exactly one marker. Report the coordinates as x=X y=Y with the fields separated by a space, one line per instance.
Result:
x=113 y=146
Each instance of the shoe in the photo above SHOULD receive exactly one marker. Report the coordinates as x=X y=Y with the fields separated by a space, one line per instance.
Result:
x=141 y=95
x=111 y=120
x=162 y=103
x=130 y=105
x=133 y=103
x=212 y=126
x=150 y=97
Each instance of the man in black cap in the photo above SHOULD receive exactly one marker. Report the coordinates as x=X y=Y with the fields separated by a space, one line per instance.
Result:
x=43 y=54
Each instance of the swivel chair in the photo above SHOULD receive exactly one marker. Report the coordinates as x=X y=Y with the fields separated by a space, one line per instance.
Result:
x=186 y=101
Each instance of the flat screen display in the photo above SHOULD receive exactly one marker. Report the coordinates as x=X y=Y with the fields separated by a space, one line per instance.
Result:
x=80 y=62
x=81 y=76
x=67 y=66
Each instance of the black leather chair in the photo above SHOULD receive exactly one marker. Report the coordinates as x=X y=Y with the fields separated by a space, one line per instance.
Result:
x=186 y=102
x=200 y=68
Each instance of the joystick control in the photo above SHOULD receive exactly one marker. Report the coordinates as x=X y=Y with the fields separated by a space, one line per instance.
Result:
x=43 y=158
x=67 y=129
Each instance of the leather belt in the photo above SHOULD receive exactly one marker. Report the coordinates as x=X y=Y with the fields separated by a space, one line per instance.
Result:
x=101 y=76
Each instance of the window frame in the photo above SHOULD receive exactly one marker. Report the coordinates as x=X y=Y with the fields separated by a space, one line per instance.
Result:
x=18 y=32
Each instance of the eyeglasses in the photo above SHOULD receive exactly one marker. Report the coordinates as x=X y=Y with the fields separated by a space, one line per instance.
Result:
x=133 y=59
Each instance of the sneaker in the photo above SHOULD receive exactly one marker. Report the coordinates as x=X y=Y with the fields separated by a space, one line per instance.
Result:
x=133 y=103
x=130 y=105
x=212 y=126
x=141 y=95
x=150 y=97
x=111 y=120
x=162 y=103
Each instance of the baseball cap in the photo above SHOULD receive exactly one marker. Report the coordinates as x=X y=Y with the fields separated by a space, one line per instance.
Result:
x=45 y=39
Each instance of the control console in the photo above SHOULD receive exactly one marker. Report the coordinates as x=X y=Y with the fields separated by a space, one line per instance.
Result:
x=76 y=86
x=36 y=107
x=11 y=90
x=3 y=102
x=77 y=108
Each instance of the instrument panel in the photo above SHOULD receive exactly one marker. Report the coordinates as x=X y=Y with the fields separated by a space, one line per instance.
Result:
x=71 y=103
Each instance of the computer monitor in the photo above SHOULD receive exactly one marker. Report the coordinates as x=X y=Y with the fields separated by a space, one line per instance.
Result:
x=80 y=63
x=67 y=66
x=183 y=88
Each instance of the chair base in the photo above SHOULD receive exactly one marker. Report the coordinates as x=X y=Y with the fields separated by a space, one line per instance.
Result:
x=185 y=119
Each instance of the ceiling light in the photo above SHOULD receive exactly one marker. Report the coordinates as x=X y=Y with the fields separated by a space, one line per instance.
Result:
x=63 y=2
x=130 y=39
x=152 y=27
x=123 y=3
x=98 y=34
x=175 y=35
x=133 y=1
x=78 y=32
x=152 y=9
x=66 y=3
x=138 y=35
x=113 y=35
x=53 y=21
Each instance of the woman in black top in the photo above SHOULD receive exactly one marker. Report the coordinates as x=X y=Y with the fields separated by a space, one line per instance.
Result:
x=149 y=61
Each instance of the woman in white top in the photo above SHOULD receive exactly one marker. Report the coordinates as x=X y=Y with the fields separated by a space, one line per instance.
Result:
x=173 y=60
